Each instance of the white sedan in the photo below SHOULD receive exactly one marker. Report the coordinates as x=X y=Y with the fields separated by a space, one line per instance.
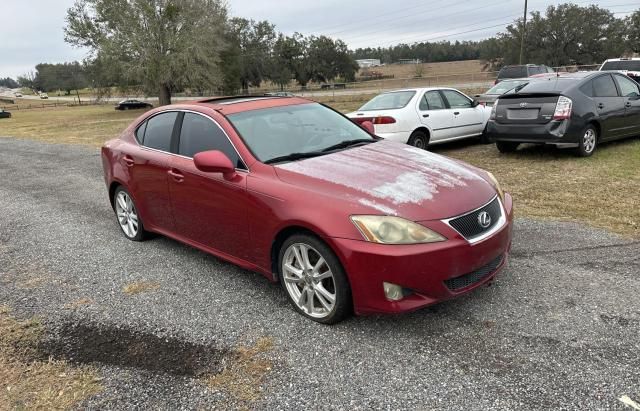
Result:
x=423 y=116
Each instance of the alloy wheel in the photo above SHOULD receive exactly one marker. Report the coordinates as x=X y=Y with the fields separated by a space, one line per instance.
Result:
x=309 y=280
x=127 y=215
x=589 y=140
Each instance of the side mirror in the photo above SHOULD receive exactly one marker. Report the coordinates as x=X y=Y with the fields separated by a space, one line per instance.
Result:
x=213 y=162
x=367 y=125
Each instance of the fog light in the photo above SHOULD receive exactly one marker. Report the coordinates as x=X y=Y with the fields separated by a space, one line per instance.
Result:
x=393 y=292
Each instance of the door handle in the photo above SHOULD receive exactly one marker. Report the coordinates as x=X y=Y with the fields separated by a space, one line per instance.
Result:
x=628 y=104
x=425 y=115
x=600 y=106
x=455 y=113
x=177 y=176
x=128 y=160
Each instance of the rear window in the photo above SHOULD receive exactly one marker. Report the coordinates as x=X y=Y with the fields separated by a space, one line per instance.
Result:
x=552 y=85
x=630 y=65
x=513 y=72
x=389 y=101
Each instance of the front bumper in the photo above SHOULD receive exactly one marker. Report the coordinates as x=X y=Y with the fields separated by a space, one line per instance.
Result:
x=425 y=270
x=554 y=132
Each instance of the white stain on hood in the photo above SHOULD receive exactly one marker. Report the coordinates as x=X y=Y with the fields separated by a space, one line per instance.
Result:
x=395 y=174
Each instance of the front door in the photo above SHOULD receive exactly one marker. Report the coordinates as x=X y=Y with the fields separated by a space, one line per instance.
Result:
x=209 y=208
x=467 y=119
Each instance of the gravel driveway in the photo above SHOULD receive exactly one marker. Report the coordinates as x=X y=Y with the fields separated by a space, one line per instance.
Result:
x=558 y=329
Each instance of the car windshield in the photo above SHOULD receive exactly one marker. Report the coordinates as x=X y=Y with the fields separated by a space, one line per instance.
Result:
x=277 y=132
x=630 y=65
x=389 y=101
x=505 y=86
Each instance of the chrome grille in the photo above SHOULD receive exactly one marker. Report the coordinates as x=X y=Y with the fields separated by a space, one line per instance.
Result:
x=469 y=225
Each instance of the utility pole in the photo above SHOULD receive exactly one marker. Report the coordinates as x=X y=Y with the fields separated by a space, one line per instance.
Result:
x=524 y=31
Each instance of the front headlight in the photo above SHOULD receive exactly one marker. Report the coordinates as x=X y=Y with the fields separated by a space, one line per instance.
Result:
x=394 y=230
x=496 y=185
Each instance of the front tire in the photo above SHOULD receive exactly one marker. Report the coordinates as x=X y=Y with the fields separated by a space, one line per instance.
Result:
x=588 y=142
x=127 y=215
x=314 y=279
x=507 y=146
x=419 y=139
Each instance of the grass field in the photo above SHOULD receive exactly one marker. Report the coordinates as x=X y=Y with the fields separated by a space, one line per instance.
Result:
x=431 y=69
x=603 y=190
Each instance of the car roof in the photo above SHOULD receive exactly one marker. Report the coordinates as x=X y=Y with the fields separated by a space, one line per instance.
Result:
x=238 y=104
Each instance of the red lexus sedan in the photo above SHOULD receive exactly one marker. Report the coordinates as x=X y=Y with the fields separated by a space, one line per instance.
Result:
x=290 y=188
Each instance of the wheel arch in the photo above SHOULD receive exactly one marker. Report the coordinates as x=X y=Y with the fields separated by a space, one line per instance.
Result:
x=423 y=129
x=598 y=126
x=293 y=229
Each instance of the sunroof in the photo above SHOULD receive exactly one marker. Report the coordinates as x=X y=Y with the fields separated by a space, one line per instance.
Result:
x=234 y=100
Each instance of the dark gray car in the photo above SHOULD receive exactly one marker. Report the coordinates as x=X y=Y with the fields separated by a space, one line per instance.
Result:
x=577 y=110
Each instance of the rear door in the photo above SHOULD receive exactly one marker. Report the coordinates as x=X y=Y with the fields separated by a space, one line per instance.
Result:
x=435 y=114
x=609 y=105
x=148 y=165
x=467 y=119
x=630 y=92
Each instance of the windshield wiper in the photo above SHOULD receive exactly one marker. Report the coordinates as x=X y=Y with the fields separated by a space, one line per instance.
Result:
x=348 y=143
x=294 y=156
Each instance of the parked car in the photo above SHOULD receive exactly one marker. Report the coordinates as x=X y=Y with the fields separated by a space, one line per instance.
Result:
x=522 y=71
x=628 y=66
x=579 y=110
x=490 y=96
x=4 y=114
x=44 y=96
x=279 y=94
x=17 y=94
x=290 y=188
x=423 y=116
x=131 y=104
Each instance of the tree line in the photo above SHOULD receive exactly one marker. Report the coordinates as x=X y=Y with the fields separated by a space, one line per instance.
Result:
x=166 y=46
x=566 y=34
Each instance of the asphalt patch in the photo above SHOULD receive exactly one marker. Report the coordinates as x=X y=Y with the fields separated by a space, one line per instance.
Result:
x=126 y=348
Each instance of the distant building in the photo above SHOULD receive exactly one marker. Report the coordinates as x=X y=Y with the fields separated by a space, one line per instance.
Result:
x=409 y=61
x=364 y=63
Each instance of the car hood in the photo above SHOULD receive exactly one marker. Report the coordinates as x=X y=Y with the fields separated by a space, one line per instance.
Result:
x=392 y=179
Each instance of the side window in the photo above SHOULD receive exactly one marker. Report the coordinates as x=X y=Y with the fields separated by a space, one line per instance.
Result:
x=434 y=100
x=456 y=100
x=159 y=130
x=424 y=104
x=604 y=86
x=200 y=133
x=628 y=88
x=140 y=132
x=587 y=89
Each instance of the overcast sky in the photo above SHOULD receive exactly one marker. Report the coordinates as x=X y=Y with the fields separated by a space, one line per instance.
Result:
x=31 y=31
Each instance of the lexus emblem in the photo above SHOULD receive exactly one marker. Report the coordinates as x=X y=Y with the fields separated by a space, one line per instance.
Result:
x=484 y=219
x=523 y=104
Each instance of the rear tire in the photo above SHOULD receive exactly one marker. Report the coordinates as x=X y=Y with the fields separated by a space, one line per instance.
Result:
x=127 y=215
x=588 y=142
x=419 y=139
x=507 y=146
x=319 y=290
